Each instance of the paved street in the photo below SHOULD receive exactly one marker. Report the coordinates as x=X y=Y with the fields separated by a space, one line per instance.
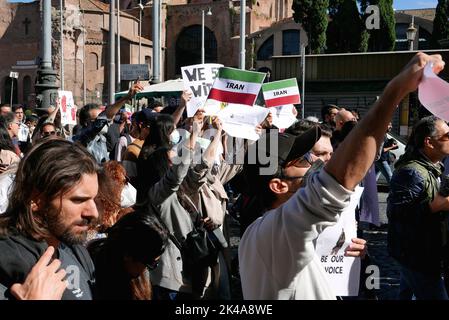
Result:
x=377 y=247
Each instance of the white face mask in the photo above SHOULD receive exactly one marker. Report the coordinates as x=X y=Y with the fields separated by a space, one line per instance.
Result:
x=128 y=196
x=175 y=137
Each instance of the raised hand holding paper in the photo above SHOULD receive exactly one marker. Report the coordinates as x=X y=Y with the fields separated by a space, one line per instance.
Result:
x=283 y=116
x=433 y=93
x=240 y=121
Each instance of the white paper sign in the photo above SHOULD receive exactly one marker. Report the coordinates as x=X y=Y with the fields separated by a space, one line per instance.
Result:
x=433 y=93
x=67 y=107
x=198 y=79
x=283 y=116
x=343 y=273
x=240 y=121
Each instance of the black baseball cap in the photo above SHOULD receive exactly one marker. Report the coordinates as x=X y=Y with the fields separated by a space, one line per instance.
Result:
x=145 y=116
x=290 y=147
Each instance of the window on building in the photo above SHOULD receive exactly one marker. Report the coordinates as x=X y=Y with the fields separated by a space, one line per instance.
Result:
x=265 y=51
x=188 y=47
x=26 y=23
x=401 y=37
x=290 y=42
x=424 y=39
x=92 y=61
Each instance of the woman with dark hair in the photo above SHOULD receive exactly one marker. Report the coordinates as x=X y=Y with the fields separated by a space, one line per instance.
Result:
x=134 y=244
x=161 y=128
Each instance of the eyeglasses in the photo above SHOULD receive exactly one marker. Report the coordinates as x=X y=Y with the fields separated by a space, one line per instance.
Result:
x=284 y=177
x=153 y=265
x=48 y=133
x=298 y=162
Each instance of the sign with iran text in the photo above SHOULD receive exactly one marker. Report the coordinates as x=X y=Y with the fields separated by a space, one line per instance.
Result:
x=279 y=93
x=236 y=86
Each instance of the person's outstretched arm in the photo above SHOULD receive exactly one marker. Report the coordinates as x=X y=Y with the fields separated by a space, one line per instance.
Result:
x=356 y=153
x=112 y=110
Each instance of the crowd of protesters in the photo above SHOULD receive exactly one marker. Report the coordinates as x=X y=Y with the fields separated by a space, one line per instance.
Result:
x=135 y=207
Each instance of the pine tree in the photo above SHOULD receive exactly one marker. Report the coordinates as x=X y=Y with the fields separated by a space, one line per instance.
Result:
x=383 y=39
x=312 y=14
x=346 y=31
x=440 y=23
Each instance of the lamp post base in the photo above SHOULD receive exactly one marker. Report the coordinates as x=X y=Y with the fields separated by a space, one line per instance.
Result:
x=46 y=87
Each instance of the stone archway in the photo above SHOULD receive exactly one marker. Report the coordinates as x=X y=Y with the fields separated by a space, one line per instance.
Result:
x=188 y=47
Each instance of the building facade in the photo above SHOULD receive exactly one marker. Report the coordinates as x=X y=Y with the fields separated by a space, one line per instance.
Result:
x=84 y=43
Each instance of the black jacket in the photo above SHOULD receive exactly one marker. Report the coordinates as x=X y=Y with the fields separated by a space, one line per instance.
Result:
x=18 y=255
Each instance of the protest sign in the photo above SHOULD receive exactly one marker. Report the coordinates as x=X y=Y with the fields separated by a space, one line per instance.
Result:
x=240 y=121
x=67 y=107
x=281 y=92
x=283 y=116
x=343 y=273
x=198 y=79
x=433 y=93
x=233 y=86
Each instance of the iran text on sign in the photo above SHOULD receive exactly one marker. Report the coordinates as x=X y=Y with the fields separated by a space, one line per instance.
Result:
x=134 y=71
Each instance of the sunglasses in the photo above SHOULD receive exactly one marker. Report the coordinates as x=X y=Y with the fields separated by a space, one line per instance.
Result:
x=299 y=162
x=48 y=133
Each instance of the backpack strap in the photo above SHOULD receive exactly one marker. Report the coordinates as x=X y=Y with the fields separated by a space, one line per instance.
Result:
x=136 y=145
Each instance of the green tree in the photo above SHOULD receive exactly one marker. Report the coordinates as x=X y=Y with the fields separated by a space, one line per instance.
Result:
x=346 y=31
x=312 y=14
x=440 y=23
x=384 y=38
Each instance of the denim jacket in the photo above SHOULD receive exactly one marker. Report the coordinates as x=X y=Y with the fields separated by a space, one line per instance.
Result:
x=416 y=236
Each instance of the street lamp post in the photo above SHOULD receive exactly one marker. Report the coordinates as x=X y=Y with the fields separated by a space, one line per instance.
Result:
x=46 y=86
x=242 y=34
x=411 y=34
x=111 y=91
x=119 y=79
x=12 y=75
x=209 y=13
x=141 y=7
x=156 y=42
x=61 y=16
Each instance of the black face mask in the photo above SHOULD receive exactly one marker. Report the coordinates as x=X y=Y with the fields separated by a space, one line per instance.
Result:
x=317 y=165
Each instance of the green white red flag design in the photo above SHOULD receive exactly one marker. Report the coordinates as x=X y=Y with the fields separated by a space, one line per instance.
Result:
x=236 y=86
x=279 y=93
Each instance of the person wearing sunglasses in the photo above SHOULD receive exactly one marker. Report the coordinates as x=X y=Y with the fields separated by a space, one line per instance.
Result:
x=48 y=130
x=122 y=259
x=417 y=208
x=277 y=256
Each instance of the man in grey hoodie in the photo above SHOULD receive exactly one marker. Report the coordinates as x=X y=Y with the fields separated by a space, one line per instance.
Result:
x=277 y=251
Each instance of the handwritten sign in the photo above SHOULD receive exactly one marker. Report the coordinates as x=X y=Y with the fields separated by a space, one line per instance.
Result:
x=343 y=273
x=199 y=79
x=67 y=107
